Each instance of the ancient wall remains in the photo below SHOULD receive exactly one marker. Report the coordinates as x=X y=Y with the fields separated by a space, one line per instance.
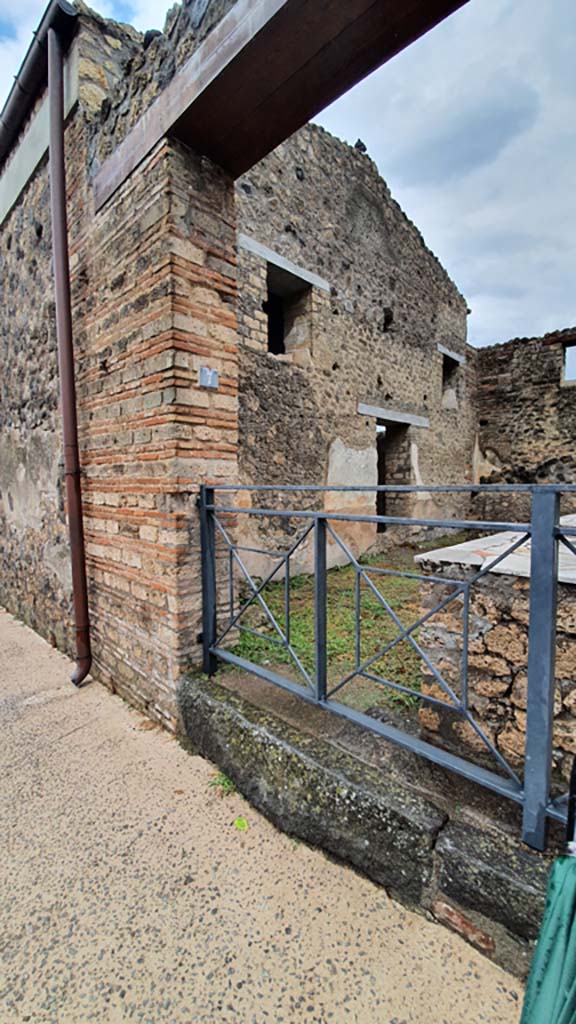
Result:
x=154 y=293
x=367 y=333
x=527 y=419
x=151 y=67
x=35 y=580
x=497 y=668
x=374 y=334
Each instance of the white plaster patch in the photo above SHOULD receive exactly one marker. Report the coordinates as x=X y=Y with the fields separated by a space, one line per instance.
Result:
x=351 y=467
x=57 y=560
x=481 y=464
x=449 y=399
x=33 y=145
x=416 y=475
x=29 y=478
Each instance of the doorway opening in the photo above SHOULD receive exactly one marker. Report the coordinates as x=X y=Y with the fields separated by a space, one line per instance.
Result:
x=393 y=460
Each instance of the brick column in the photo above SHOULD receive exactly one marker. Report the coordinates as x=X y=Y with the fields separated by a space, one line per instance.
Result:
x=158 y=269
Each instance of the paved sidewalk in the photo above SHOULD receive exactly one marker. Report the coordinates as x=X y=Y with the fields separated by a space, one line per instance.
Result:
x=128 y=894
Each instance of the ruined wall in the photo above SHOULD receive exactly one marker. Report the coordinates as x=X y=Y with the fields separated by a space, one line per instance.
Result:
x=497 y=662
x=372 y=336
x=527 y=419
x=34 y=563
x=152 y=66
x=154 y=298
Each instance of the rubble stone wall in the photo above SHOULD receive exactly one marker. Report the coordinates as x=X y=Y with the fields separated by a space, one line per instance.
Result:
x=527 y=420
x=35 y=578
x=150 y=68
x=497 y=663
x=372 y=336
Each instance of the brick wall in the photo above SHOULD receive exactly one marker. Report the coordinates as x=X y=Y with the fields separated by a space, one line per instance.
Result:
x=159 y=267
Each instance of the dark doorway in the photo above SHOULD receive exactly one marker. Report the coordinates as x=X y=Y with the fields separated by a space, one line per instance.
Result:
x=274 y=309
x=393 y=451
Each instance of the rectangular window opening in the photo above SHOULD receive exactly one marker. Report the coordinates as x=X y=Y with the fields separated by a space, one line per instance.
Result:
x=570 y=362
x=450 y=369
x=287 y=309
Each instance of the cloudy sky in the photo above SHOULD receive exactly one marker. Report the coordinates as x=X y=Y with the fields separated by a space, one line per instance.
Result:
x=473 y=129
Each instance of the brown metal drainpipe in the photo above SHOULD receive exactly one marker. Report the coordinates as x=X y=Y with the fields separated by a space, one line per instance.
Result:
x=66 y=357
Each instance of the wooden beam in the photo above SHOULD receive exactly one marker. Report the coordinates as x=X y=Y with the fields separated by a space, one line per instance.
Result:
x=264 y=71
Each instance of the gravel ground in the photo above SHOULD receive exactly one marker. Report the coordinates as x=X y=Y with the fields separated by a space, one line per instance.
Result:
x=128 y=893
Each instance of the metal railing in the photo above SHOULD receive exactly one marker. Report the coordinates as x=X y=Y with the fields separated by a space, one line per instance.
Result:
x=533 y=792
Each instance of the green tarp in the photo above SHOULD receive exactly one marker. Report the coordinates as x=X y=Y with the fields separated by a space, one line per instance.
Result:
x=551 y=990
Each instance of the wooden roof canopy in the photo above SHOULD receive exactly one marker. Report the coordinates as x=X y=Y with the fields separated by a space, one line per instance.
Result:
x=264 y=71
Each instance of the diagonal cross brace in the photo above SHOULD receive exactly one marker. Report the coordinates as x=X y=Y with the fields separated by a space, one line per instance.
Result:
x=257 y=590
x=257 y=596
x=406 y=634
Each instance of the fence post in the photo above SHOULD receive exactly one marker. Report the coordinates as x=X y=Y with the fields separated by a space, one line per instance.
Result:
x=208 y=553
x=541 y=659
x=320 y=605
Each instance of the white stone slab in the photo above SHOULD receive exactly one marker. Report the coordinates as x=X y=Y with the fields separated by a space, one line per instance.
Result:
x=393 y=415
x=252 y=245
x=481 y=552
x=456 y=356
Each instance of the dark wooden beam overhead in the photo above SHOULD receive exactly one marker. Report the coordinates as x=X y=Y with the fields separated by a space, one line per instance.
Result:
x=264 y=71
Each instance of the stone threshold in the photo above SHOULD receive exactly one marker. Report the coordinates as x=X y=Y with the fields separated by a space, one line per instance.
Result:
x=436 y=843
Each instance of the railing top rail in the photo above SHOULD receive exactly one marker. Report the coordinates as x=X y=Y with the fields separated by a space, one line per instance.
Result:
x=405 y=488
x=453 y=524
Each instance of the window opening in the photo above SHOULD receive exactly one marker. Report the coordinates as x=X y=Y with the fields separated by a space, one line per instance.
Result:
x=570 y=362
x=450 y=368
x=287 y=309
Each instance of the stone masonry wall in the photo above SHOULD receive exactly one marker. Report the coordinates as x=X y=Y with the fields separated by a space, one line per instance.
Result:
x=372 y=338
x=35 y=578
x=154 y=293
x=527 y=420
x=497 y=661
x=152 y=66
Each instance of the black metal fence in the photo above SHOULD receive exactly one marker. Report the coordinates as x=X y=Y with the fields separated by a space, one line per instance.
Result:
x=545 y=533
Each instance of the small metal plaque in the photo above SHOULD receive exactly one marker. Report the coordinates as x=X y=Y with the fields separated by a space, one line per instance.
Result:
x=208 y=378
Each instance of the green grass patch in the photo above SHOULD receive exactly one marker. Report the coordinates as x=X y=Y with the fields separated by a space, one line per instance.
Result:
x=401 y=664
x=223 y=785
